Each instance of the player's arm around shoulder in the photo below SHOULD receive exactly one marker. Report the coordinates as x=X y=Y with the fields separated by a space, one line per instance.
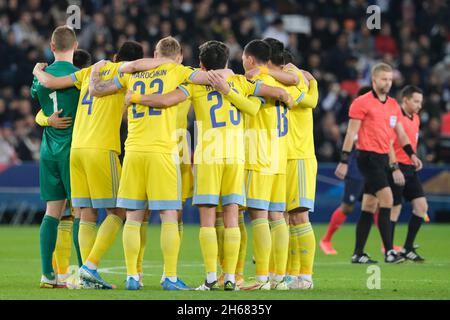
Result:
x=41 y=119
x=246 y=105
x=143 y=64
x=201 y=77
x=50 y=81
x=278 y=93
x=54 y=120
x=99 y=87
x=155 y=100
x=310 y=98
x=292 y=76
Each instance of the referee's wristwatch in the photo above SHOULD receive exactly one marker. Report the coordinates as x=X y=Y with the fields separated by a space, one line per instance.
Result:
x=394 y=166
x=345 y=155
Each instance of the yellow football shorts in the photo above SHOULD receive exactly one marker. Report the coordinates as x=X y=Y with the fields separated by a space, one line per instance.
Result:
x=150 y=180
x=301 y=184
x=94 y=178
x=187 y=181
x=265 y=191
x=219 y=182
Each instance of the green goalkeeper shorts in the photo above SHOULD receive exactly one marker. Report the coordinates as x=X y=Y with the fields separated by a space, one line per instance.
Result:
x=54 y=177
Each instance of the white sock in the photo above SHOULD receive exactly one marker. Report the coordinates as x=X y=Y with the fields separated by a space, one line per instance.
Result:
x=90 y=265
x=173 y=279
x=262 y=278
x=278 y=278
x=306 y=277
x=133 y=276
x=229 y=277
x=211 y=277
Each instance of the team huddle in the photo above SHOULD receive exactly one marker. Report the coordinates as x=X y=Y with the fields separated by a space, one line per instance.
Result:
x=254 y=153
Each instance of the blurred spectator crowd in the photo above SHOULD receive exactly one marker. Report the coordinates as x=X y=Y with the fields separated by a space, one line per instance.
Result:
x=339 y=51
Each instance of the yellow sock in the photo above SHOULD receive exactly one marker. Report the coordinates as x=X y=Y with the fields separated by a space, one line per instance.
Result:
x=54 y=261
x=180 y=230
x=280 y=245
x=307 y=248
x=294 y=267
x=289 y=261
x=208 y=244
x=63 y=246
x=86 y=238
x=219 y=231
x=131 y=244
x=170 y=246
x=243 y=246
x=144 y=229
x=231 y=244
x=262 y=244
x=105 y=237
x=271 y=261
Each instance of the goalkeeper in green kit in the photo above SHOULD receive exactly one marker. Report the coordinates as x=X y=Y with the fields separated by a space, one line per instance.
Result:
x=54 y=174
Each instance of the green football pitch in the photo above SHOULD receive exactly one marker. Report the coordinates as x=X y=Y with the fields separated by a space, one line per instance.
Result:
x=334 y=278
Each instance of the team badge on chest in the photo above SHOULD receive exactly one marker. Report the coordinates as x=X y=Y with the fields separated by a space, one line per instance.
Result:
x=392 y=121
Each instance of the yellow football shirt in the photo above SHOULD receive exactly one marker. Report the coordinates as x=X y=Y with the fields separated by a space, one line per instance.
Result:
x=301 y=133
x=184 y=140
x=266 y=133
x=220 y=125
x=98 y=119
x=151 y=129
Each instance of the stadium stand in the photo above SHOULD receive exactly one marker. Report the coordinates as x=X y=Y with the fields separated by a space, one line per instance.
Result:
x=414 y=37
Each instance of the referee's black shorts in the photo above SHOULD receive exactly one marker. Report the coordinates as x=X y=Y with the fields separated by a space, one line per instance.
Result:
x=412 y=188
x=374 y=168
x=353 y=190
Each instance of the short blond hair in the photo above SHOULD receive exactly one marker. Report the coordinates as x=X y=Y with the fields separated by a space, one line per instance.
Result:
x=64 y=38
x=168 y=47
x=381 y=67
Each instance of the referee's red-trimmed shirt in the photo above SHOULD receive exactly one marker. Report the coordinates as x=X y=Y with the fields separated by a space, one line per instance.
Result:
x=378 y=120
x=411 y=126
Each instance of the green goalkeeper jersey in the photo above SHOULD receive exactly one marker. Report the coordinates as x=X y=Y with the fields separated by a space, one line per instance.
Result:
x=56 y=142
